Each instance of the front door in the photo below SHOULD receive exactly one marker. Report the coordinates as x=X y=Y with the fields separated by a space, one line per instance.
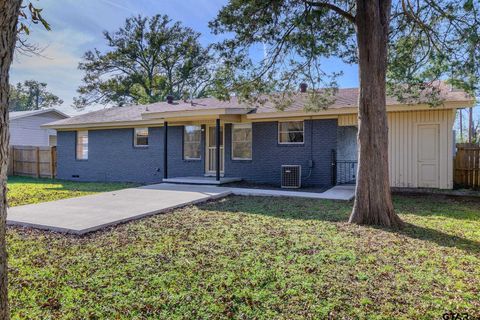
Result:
x=211 y=155
x=428 y=155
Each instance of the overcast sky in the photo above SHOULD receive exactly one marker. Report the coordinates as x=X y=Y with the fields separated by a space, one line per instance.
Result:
x=77 y=26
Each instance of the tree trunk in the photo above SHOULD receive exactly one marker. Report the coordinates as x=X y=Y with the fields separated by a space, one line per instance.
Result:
x=9 y=10
x=373 y=201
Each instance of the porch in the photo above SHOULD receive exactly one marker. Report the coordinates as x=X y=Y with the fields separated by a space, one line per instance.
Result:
x=215 y=148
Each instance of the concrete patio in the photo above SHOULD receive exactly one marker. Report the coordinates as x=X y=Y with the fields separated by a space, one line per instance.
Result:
x=90 y=213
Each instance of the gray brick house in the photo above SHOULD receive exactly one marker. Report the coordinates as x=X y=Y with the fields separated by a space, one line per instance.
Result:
x=182 y=139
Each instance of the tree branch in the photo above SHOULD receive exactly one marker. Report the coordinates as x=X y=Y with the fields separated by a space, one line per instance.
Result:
x=340 y=11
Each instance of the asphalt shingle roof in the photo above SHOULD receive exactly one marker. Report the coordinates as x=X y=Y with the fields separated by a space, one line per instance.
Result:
x=345 y=98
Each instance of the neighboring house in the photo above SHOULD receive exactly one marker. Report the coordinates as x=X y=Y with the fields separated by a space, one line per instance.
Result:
x=26 y=130
x=128 y=143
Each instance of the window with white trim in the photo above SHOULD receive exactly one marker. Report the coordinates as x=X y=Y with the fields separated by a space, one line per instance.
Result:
x=140 y=138
x=291 y=132
x=192 y=136
x=82 y=145
x=242 y=141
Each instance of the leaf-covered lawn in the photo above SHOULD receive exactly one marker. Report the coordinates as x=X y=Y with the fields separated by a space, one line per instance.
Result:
x=255 y=258
x=23 y=190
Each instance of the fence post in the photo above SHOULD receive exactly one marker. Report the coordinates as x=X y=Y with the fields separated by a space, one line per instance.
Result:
x=37 y=150
x=52 y=164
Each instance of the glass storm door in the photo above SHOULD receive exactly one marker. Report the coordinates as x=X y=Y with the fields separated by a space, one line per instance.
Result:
x=211 y=156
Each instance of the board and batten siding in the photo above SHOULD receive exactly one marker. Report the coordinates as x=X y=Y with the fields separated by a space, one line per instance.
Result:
x=403 y=149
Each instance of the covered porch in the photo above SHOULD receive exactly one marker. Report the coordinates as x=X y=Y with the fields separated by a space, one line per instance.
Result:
x=247 y=149
x=202 y=143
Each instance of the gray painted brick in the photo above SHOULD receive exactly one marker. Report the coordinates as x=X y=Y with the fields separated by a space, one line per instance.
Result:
x=268 y=156
x=112 y=156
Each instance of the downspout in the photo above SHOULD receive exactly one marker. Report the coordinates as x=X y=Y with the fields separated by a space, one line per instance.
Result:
x=217 y=149
x=165 y=150
x=310 y=162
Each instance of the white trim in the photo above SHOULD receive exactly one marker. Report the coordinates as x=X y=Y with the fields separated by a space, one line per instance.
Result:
x=135 y=138
x=242 y=125
x=278 y=132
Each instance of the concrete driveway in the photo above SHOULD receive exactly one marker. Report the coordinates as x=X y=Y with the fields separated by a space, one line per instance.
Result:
x=89 y=213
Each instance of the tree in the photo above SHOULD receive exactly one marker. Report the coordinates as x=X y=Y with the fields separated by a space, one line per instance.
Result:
x=420 y=41
x=32 y=95
x=10 y=10
x=149 y=58
x=10 y=28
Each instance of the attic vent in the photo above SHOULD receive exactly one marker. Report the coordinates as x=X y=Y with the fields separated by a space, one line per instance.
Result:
x=291 y=176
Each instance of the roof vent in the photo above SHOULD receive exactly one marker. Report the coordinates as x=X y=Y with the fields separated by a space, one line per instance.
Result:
x=170 y=98
x=303 y=87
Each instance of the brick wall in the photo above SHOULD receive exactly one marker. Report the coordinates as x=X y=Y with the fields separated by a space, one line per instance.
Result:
x=112 y=156
x=269 y=156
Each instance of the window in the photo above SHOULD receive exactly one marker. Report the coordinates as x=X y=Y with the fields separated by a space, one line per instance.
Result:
x=191 y=142
x=52 y=140
x=290 y=132
x=241 y=141
x=141 y=137
x=82 y=145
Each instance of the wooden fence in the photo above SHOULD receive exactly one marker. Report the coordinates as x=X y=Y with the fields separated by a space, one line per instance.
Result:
x=39 y=162
x=467 y=166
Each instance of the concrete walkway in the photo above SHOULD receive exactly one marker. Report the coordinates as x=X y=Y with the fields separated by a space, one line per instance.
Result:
x=90 y=213
x=343 y=193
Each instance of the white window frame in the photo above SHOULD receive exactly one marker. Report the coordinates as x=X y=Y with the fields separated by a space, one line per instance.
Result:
x=279 y=132
x=135 y=138
x=77 y=156
x=199 y=142
x=243 y=126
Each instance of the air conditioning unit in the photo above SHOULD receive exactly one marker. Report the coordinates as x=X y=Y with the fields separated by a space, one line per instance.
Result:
x=291 y=176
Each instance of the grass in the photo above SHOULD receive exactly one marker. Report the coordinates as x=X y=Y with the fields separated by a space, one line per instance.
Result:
x=255 y=258
x=23 y=190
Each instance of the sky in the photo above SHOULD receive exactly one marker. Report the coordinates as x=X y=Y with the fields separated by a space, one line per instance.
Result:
x=77 y=27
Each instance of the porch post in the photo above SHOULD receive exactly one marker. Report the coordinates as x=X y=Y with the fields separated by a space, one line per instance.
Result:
x=217 y=149
x=165 y=149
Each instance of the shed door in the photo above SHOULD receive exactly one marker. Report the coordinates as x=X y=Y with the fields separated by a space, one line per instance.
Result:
x=428 y=155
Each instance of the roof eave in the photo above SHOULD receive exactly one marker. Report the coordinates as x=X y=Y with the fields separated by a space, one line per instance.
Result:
x=354 y=109
x=40 y=112
x=194 y=113
x=102 y=125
